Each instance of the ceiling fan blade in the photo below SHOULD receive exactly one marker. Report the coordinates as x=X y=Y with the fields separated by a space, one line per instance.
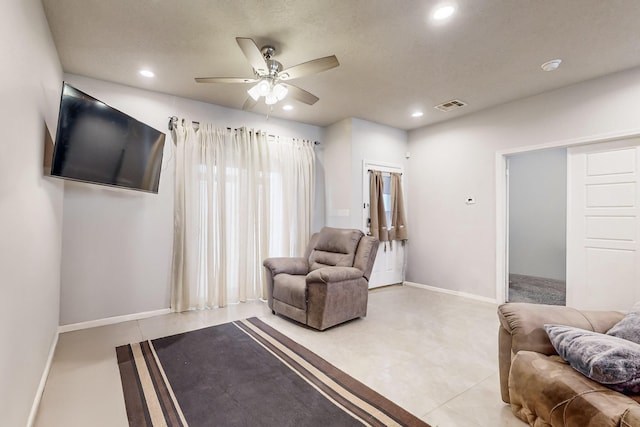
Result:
x=253 y=54
x=225 y=80
x=300 y=94
x=310 y=67
x=249 y=104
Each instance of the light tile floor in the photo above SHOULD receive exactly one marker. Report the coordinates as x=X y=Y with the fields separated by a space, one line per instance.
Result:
x=431 y=353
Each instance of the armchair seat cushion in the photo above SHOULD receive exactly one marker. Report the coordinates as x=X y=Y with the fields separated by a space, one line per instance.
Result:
x=291 y=289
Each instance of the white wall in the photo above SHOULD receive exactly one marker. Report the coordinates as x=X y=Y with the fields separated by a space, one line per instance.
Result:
x=346 y=144
x=377 y=143
x=117 y=243
x=538 y=213
x=454 y=244
x=336 y=163
x=30 y=206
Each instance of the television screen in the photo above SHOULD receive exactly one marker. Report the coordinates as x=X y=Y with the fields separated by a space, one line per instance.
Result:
x=99 y=144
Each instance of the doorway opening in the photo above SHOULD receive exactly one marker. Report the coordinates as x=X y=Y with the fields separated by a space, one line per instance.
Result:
x=602 y=220
x=537 y=224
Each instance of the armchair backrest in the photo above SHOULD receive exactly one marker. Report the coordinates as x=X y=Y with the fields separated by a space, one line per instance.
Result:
x=333 y=247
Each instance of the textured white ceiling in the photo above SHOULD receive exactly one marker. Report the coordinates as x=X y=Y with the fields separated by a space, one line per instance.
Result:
x=393 y=58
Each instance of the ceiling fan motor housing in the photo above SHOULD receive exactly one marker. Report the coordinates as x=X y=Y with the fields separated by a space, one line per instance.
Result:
x=274 y=67
x=268 y=52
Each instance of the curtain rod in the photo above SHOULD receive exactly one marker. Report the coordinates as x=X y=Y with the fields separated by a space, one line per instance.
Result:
x=173 y=120
x=375 y=170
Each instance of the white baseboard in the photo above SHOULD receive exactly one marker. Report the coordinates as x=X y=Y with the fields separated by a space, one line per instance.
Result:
x=450 y=292
x=111 y=320
x=43 y=381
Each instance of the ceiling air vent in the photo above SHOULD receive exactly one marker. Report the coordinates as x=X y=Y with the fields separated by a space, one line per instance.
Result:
x=454 y=104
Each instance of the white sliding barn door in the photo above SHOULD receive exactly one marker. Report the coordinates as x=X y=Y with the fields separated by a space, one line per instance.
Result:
x=603 y=225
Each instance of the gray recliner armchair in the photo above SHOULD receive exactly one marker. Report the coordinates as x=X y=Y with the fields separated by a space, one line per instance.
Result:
x=329 y=285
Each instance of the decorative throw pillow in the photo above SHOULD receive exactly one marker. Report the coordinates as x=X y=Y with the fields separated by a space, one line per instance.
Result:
x=611 y=361
x=629 y=327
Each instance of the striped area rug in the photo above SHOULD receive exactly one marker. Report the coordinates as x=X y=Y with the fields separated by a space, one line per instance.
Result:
x=244 y=373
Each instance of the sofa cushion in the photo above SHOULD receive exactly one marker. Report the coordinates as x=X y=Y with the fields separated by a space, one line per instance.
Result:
x=629 y=327
x=611 y=361
x=545 y=390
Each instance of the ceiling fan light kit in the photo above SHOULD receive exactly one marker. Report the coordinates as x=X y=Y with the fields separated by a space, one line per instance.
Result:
x=279 y=92
x=270 y=76
x=261 y=89
x=272 y=92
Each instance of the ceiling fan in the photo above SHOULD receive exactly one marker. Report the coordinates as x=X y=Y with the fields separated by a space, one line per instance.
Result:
x=270 y=78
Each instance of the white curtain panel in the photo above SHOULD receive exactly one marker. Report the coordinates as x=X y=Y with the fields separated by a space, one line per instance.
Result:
x=240 y=196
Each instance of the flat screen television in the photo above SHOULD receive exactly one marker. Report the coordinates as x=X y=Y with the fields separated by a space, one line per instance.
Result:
x=98 y=144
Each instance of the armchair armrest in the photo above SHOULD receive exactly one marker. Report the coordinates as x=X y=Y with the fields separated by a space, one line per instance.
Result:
x=295 y=265
x=522 y=328
x=334 y=274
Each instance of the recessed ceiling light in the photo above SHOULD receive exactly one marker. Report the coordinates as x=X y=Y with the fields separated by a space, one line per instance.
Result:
x=551 y=65
x=287 y=107
x=443 y=12
x=147 y=73
x=417 y=114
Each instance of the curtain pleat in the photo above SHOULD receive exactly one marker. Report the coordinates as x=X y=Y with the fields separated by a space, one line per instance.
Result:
x=240 y=197
x=180 y=273
x=378 y=219
x=398 y=221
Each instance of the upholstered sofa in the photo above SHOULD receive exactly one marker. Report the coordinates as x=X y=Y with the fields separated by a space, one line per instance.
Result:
x=540 y=386
x=329 y=284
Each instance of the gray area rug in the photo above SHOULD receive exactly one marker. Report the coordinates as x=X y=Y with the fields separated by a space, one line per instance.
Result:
x=244 y=373
x=537 y=290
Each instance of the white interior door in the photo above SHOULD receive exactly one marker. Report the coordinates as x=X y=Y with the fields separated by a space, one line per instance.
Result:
x=603 y=257
x=388 y=268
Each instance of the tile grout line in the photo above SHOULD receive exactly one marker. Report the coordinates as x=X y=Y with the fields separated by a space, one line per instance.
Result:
x=381 y=324
x=458 y=395
x=142 y=337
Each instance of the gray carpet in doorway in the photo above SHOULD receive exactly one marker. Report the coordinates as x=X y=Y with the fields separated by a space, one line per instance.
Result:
x=538 y=290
